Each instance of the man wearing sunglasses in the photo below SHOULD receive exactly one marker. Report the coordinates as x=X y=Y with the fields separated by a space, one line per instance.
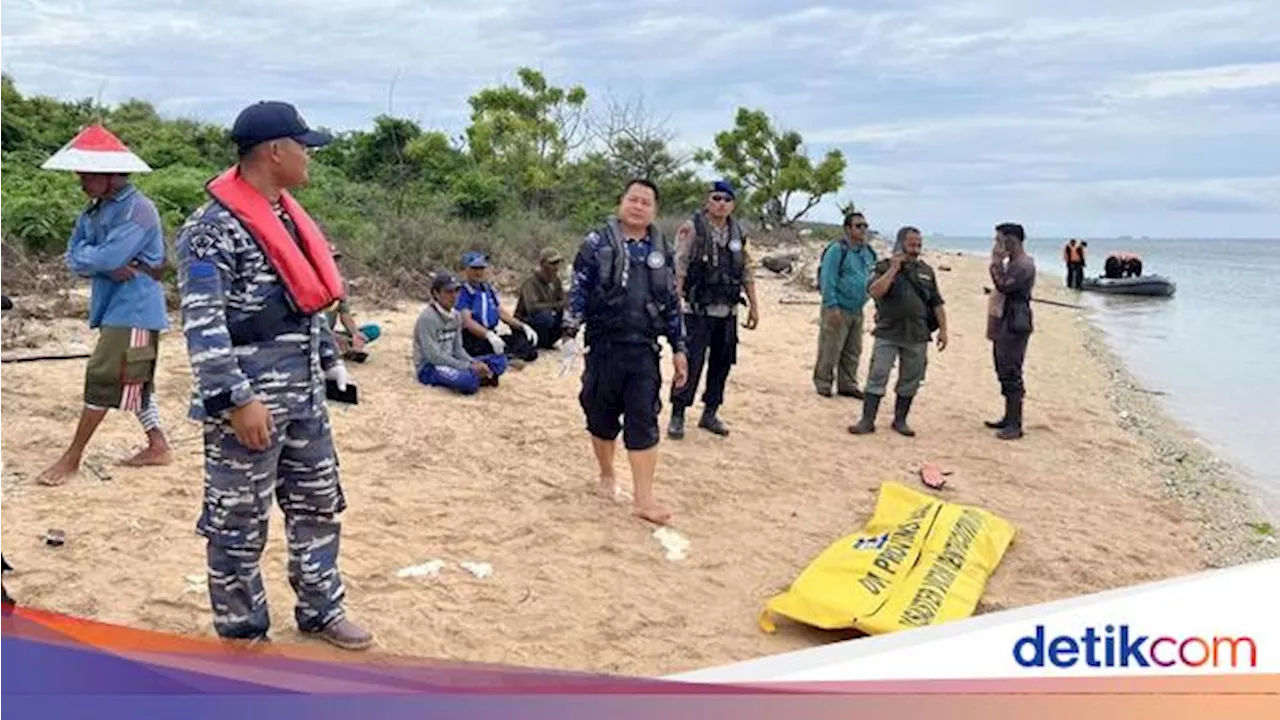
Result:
x=712 y=271
x=842 y=277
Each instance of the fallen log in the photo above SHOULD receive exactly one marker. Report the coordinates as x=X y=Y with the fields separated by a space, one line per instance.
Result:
x=987 y=291
x=41 y=358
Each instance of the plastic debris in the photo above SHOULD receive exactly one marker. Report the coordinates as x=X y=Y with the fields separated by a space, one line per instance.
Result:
x=569 y=352
x=428 y=569
x=676 y=545
x=481 y=570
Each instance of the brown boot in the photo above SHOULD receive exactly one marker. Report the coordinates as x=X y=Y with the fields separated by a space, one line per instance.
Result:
x=346 y=635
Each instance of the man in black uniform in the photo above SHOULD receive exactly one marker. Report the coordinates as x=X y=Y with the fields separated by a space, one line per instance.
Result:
x=712 y=271
x=1010 y=322
x=624 y=292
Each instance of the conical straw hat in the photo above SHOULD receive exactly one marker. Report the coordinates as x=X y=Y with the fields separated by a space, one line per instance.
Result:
x=96 y=150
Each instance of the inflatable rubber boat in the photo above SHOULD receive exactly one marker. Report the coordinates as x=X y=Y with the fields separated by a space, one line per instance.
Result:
x=1150 y=285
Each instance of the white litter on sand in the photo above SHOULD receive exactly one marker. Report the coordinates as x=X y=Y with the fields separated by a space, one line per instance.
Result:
x=481 y=570
x=195 y=583
x=428 y=569
x=676 y=545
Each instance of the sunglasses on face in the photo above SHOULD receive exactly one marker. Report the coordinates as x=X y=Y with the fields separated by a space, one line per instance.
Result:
x=863 y=226
x=721 y=198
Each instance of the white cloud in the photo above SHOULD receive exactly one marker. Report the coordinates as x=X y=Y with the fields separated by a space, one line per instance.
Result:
x=950 y=113
x=1198 y=81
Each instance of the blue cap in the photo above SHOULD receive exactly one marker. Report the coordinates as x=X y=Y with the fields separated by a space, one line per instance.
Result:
x=723 y=186
x=272 y=120
x=474 y=259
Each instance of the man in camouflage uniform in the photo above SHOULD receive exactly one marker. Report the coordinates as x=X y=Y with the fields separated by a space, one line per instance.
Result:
x=260 y=362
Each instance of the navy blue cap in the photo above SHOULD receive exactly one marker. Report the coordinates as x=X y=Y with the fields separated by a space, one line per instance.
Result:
x=272 y=120
x=723 y=186
x=444 y=281
x=474 y=259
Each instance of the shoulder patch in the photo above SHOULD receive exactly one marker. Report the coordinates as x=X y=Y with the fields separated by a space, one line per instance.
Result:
x=202 y=269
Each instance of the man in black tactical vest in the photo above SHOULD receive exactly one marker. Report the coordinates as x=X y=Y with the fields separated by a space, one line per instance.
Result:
x=713 y=269
x=624 y=292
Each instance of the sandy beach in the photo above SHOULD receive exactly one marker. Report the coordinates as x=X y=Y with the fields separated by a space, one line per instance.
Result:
x=1104 y=490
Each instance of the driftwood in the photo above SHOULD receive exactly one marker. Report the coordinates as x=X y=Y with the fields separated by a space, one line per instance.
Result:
x=40 y=358
x=781 y=263
x=798 y=301
x=987 y=291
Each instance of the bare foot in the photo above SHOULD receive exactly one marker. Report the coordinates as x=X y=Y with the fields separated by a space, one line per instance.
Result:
x=149 y=456
x=59 y=472
x=609 y=489
x=653 y=513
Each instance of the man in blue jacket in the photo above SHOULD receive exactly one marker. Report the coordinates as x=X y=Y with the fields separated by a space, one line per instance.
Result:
x=118 y=243
x=842 y=278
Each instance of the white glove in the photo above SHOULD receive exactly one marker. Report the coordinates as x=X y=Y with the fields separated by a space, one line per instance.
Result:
x=532 y=334
x=338 y=374
x=496 y=343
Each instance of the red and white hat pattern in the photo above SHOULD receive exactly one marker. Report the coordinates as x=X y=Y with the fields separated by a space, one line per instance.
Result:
x=96 y=150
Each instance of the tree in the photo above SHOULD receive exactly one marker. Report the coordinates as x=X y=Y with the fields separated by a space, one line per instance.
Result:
x=770 y=166
x=525 y=133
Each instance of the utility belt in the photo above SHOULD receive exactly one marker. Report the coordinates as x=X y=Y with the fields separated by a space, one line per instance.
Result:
x=276 y=318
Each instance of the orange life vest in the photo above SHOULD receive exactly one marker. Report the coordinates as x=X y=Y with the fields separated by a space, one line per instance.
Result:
x=306 y=268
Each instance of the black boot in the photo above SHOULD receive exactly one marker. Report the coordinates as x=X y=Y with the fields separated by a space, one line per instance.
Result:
x=870 y=406
x=675 y=428
x=712 y=423
x=1003 y=421
x=1012 y=429
x=900 y=410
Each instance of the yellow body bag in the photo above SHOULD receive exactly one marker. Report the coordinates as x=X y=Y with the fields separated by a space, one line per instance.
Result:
x=919 y=561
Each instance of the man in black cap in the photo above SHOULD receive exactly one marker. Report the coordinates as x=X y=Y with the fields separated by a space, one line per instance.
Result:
x=439 y=358
x=713 y=270
x=256 y=275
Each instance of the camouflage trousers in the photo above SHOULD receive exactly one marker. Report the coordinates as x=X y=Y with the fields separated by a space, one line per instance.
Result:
x=301 y=469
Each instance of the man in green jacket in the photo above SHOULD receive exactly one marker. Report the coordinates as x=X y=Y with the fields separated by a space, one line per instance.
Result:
x=842 y=278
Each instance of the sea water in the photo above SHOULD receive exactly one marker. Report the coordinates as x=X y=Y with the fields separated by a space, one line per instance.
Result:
x=1212 y=349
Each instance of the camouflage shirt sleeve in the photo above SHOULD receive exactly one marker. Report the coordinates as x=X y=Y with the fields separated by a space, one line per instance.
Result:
x=586 y=274
x=674 y=315
x=748 y=269
x=328 y=346
x=684 y=247
x=205 y=265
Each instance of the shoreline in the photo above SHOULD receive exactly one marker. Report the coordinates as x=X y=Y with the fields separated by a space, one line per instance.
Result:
x=1230 y=512
x=1237 y=526
x=503 y=477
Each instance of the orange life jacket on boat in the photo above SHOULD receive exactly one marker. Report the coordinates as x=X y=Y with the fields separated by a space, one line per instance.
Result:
x=306 y=267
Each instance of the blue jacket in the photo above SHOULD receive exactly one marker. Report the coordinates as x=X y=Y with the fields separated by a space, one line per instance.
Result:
x=845 y=272
x=482 y=301
x=110 y=234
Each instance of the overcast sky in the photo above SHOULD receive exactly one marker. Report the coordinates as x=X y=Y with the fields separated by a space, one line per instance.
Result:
x=1138 y=117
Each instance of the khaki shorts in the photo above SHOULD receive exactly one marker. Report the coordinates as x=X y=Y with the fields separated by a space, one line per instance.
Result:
x=121 y=372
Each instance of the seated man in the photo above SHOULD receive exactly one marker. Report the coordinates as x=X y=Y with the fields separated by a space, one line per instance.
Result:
x=350 y=338
x=438 y=356
x=480 y=311
x=542 y=301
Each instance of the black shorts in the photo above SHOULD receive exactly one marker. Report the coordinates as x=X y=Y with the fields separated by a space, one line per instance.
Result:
x=620 y=394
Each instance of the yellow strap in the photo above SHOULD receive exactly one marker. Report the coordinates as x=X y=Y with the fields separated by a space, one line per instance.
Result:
x=766 y=622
